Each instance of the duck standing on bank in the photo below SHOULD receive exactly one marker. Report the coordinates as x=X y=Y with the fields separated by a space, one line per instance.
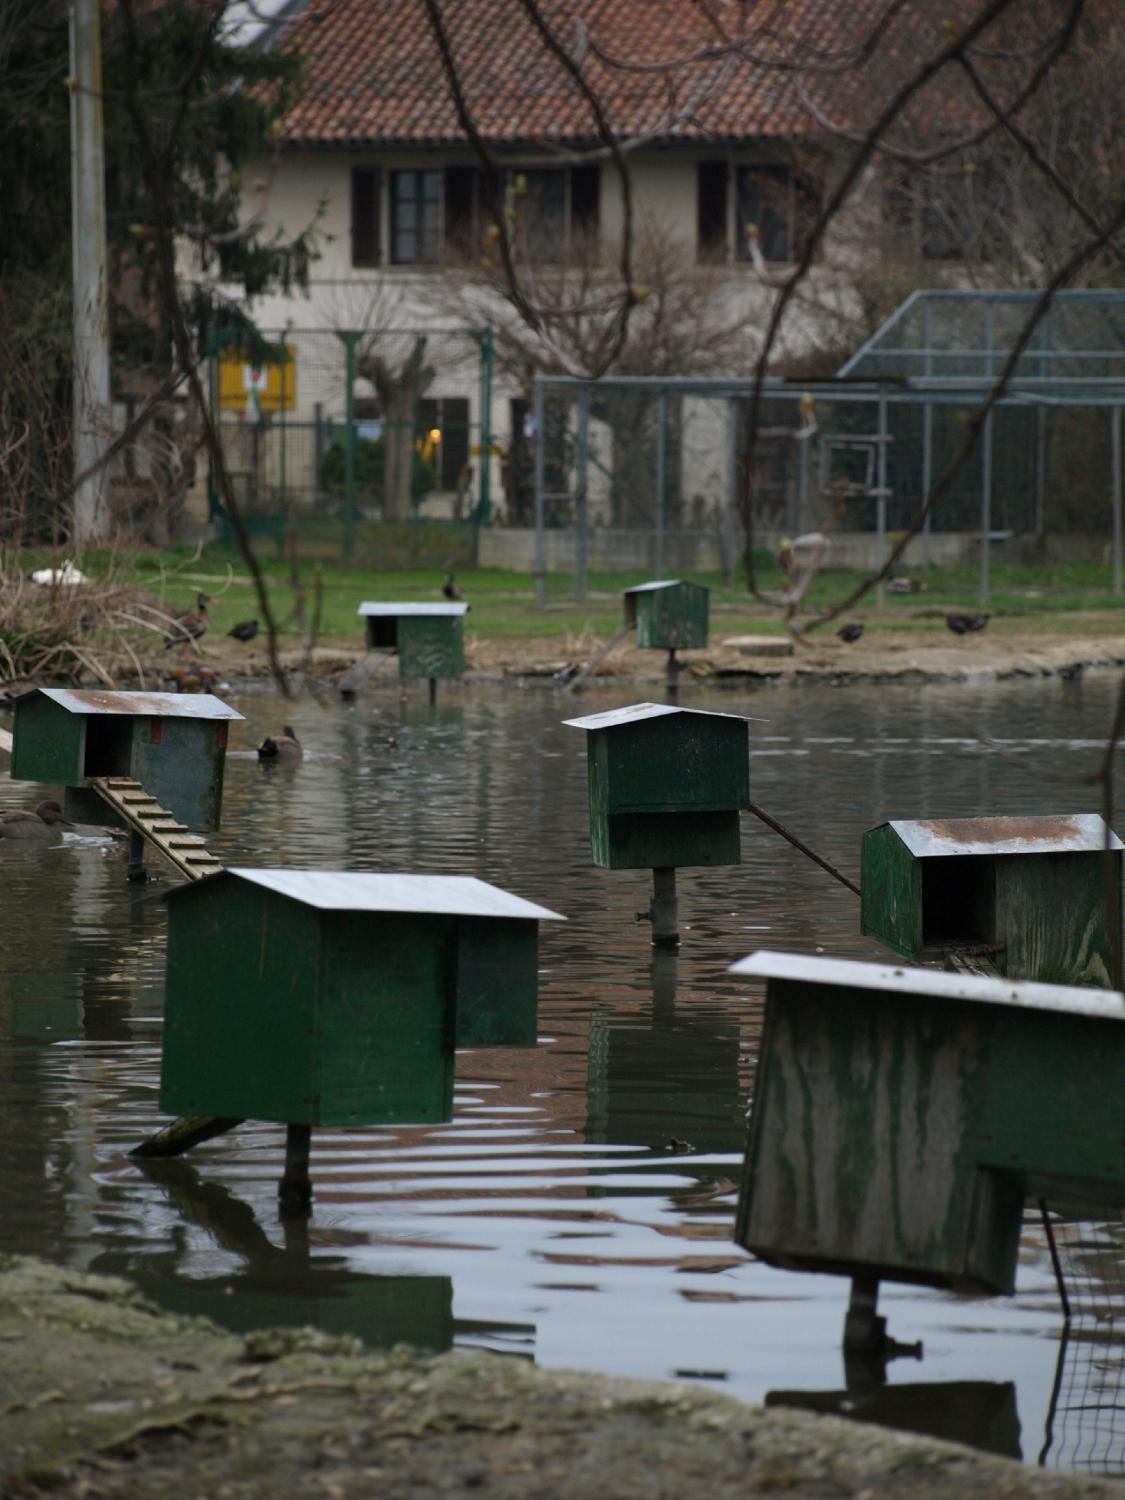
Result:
x=449 y=588
x=281 y=747
x=43 y=823
x=190 y=625
x=963 y=624
x=245 y=630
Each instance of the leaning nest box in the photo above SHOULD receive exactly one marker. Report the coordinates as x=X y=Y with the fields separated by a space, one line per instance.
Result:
x=669 y=615
x=1029 y=891
x=666 y=785
x=429 y=638
x=317 y=997
x=174 y=744
x=901 y=1116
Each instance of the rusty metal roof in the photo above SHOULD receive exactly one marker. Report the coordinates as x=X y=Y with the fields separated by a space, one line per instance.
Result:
x=369 y=608
x=154 y=705
x=1057 y=833
x=902 y=979
x=350 y=890
x=666 y=583
x=638 y=711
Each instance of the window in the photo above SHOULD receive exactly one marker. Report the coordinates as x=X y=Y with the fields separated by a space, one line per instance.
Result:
x=963 y=215
x=448 y=417
x=772 y=197
x=558 y=207
x=415 y=218
x=365 y=216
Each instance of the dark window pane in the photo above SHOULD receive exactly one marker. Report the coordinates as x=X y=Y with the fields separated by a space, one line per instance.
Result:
x=543 y=213
x=711 y=189
x=365 y=216
x=415 y=217
x=765 y=196
x=462 y=232
x=585 y=195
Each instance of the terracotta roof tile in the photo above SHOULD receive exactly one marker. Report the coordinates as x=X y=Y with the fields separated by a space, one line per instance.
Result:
x=373 y=73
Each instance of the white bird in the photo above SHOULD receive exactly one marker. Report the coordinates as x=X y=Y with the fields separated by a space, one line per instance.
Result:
x=67 y=574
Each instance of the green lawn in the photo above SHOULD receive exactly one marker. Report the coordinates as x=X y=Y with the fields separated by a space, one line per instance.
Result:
x=1065 y=598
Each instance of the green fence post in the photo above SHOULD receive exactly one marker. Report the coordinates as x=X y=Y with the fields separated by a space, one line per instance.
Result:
x=350 y=341
x=484 y=510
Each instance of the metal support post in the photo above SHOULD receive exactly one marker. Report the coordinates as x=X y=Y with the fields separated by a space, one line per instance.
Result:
x=1040 y=469
x=881 y=498
x=484 y=510
x=661 y=478
x=665 y=909
x=581 y=495
x=927 y=475
x=1115 y=466
x=92 y=415
x=136 y=872
x=985 y=506
x=294 y=1192
x=539 y=568
x=350 y=341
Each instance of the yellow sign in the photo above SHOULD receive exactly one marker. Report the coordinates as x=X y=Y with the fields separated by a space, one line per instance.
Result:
x=271 y=386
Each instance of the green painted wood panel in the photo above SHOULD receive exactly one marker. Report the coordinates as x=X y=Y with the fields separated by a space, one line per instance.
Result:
x=673 y=618
x=1051 y=917
x=497 y=983
x=863 y=1138
x=891 y=904
x=1054 y=1110
x=240 y=1028
x=180 y=762
x=48 y=743
x=431 y=646
x=674 y=763
x=386 y=1019
x=650 y=841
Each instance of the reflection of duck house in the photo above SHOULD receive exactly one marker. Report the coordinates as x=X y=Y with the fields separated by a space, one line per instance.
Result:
x=174 y=744
x=326 y=998
x=668 y=615
x=1030 y=891
x=429 y=638
x=666 y=785
x=901 y=1116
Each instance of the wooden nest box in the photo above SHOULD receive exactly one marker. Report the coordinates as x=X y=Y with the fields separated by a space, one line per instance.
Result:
x=669 y=615
x=318 y=997
x=174 y=744
x=665 y=785
x=1030 y=892
x=429 y=638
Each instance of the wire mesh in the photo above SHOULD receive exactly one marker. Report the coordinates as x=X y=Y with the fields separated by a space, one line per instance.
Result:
x=335 y=434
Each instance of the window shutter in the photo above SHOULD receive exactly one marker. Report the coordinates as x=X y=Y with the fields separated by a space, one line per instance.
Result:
x=711 y=196
x=365 y=216
x=460 y=191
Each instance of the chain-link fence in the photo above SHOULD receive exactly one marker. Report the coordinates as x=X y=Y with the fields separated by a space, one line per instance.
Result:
x=357 y=440
x=647 y=472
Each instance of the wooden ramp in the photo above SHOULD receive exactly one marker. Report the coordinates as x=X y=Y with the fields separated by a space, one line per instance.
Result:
x=142 y=814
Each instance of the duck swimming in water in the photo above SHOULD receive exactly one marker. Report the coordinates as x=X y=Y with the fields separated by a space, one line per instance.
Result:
x=281 y=746
x=43 y=823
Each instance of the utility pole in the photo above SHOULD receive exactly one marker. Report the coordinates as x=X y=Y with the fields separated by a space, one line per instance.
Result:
x=91 y=303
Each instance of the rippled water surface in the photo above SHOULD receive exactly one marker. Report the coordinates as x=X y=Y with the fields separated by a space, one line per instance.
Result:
x=578 y=1209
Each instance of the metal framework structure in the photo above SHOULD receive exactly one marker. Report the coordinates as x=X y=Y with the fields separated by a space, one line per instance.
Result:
x=939 y=349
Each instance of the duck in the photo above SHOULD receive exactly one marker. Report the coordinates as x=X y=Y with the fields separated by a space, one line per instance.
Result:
x=903 y=585
x=450 y=589
x=850 y=633
x=45 y=821
x=67 y=574
x=963 y=624
x=189 y=625
x=245 y=630
x=351 y=680
x=284 y=746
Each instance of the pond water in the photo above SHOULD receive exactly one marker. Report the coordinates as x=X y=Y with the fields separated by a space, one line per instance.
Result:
x=578 y=1209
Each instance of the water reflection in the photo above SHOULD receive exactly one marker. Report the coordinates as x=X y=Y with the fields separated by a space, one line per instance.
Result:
x=579 y=1205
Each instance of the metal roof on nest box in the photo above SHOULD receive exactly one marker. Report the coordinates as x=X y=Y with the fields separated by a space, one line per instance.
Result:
x=340 y=890
x=1069 y=833
x=370 y=607
x=154 y=705
x=636 y=712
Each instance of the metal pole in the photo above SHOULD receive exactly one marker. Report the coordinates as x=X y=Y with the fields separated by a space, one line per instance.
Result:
x=1040 y=468
x=927 y=474
x=802 y=483
x=985 y=505
x=881 y=500
x=1115 y=464
x=91 y=401
x=661 y=478
x=484 y=512
x=539 y=567
x=350 y=341
x=581 y=494
x=665 y=909
x=730 y=510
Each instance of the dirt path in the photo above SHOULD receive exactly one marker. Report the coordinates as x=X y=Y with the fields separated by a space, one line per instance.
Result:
x=103 y=1395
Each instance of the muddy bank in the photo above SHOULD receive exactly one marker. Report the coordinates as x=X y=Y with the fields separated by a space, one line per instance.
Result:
x=102 y=1394
x=904 y=658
